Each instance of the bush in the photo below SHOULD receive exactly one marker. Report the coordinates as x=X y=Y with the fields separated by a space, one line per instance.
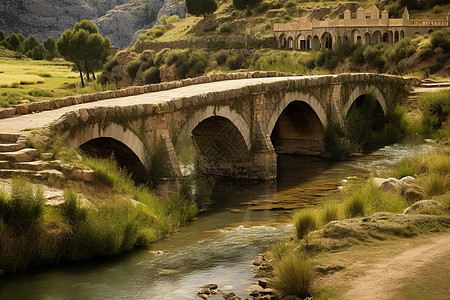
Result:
x=329 y=212
x=221 y=57
x=293 y=276
x=24 y=208
x=72 y=206
x=235 y=61
x=110 y=64
x=436 y=184
x=152 y=75
x=355 y=207
x=226 y=28
x=133 y=67
x=304 y=222
x=41 y=93
x=441 y=38
x=405 y=167
x=436 y=108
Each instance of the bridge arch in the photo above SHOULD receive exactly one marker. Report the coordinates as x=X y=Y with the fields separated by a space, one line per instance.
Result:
x=128 y=149
x=296 y=125
x=225 y=112
x=362 y=90
x=296 y=96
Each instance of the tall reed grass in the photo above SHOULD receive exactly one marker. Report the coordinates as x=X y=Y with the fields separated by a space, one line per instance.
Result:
x=293 y=276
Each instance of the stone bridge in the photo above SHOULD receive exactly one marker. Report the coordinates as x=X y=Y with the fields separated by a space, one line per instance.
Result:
x=237 y=126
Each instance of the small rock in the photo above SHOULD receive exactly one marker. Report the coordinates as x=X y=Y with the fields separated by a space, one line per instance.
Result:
x=264 y=282
x=205 y=291
x=228 y=295
x=159 y=252
x=254 y=290
x=259 y=261
x=266 y=267
x=429 y=141
x=425 y=206
x=211 y=286
x=203 y=296
x=267 y=291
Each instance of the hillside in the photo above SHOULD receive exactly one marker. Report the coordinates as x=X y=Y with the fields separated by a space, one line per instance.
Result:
x=117 y=19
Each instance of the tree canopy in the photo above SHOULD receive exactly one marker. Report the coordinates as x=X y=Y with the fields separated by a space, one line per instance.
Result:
x=85 y=47
x=201 y=7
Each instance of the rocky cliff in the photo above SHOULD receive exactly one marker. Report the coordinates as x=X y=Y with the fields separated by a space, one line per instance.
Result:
x=117 y=19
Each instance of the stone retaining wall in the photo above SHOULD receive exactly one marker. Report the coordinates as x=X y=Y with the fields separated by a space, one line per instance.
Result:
x=28 y=108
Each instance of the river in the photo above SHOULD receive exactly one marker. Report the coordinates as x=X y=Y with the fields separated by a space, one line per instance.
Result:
x=218 y=247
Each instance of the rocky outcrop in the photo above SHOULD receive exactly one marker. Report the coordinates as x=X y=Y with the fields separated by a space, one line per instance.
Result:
x=117 y=19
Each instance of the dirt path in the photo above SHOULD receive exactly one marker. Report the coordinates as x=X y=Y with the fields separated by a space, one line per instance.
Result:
x=383 y=278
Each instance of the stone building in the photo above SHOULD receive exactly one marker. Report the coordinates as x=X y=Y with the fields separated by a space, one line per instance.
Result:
x=366 y=27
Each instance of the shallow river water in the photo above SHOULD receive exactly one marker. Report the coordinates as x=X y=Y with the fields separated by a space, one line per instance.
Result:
x=218 y=247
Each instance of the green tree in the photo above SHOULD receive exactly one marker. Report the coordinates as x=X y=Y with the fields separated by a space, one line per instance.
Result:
x=201 y=7
x=13 y=41
x=84 y=47
x=50 y=46
x=39 y=52
x=21 y=37
x=2 y=35
x=246 y=4
x=30 y=43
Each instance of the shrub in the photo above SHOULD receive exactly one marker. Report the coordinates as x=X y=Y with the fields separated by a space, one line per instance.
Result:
x=235 y=61
x=304 y=222
x=166 y=20
x=24 y=208
x=221 y=57
x=441 y=38
x=152 y=75
x=293 y=276
x=436 y=108
x=405 y=167
x=110 y=64
x=354 y=207
x=436 y=184
x=72 y=206
x=329 y=212
x=41 y=93
x=226 y=28
x=133 y=67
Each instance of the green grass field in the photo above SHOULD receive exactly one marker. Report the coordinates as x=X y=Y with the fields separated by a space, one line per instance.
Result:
x=34 y=80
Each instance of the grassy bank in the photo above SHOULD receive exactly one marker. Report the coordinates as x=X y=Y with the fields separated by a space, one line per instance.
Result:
x=352 y=219
x=106 y=218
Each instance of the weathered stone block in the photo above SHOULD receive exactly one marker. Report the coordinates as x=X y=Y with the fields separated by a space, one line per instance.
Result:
x=21 y=109
x=7 y=112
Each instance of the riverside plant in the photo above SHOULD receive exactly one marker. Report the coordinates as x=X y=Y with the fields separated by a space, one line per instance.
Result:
x=118 y=219
x=294 y=275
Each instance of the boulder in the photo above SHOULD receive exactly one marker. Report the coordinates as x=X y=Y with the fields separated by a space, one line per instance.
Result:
x=392 y=184
x=425 y=207
x=408 y=179
x=412 y=195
